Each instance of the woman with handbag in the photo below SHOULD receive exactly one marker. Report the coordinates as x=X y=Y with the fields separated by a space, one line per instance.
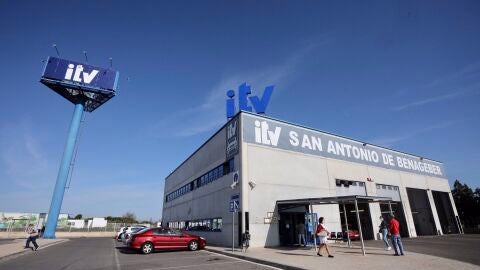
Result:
x=322 y=234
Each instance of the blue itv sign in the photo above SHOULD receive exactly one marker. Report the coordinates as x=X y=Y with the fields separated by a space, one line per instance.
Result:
x=244 y=90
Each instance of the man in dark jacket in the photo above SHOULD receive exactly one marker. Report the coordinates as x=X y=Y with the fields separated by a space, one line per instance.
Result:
x=384 y=231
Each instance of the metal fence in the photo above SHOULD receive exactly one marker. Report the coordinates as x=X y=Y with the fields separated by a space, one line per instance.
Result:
x=110 y=227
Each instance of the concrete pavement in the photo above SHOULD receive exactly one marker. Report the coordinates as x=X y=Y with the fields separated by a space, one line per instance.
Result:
x=464 y=248
x=104 y=253
x=108 y=254
x=345 y=258
x=11 y=248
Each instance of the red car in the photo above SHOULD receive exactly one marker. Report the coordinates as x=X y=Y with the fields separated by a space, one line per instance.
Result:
x=353 y=234
x=147 y=240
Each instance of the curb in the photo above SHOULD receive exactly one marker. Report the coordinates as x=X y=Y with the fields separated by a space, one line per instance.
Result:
x=24 y=251
x=260 y=261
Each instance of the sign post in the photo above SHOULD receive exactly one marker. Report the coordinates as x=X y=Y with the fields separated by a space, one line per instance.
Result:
x=87 y=87
x=234 y=207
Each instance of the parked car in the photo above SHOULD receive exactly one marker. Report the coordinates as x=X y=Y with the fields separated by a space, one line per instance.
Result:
x=126 y=230
x=147 y=240
x=128 y=233
x=353 y=234
x=120 y=232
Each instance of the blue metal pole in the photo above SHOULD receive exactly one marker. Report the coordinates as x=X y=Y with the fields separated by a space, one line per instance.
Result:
x=63 y=172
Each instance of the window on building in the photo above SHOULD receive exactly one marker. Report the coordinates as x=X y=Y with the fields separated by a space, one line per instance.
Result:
x=210 y=176
x=220 y=171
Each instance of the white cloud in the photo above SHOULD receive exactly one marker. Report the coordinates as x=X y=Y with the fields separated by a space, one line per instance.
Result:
x=22 y=157
x=426 y=101
x=391 y=141
x=450 y=86
x=210 y=114
x=459 y=91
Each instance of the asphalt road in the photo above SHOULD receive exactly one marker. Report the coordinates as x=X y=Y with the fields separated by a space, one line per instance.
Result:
x=465 y=248
x=105 y=253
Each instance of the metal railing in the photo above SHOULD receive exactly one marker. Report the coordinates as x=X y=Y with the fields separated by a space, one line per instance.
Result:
x=110 y=227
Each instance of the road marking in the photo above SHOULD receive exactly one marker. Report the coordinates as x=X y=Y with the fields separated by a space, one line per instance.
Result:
x=264 y=265
x=115 y=251
x=194 y=257
x=190 y=266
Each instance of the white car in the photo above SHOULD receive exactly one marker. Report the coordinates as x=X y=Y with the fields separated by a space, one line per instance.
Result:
x=128 y=231
x=119 y=233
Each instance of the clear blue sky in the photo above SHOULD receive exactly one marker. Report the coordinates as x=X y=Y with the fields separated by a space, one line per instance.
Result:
x=402 y=74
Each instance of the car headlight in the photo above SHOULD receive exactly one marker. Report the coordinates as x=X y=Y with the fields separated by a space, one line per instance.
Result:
x=202 y=238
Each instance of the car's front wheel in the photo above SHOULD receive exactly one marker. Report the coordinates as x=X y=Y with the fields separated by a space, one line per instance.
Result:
x=147 y=248
x=193 y=245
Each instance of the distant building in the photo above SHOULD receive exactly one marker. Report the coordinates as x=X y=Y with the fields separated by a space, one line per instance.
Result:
x=76 y=223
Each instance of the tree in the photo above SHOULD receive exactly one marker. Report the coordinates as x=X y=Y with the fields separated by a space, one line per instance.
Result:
x=78 y=216
x=476 y=196
x=129 y=217
x=467 y=204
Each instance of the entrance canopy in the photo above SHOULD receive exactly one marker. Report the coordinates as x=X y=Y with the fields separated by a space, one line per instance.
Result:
x=355 y=199
x=338 y=200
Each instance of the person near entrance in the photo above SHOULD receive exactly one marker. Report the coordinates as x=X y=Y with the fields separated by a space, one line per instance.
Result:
x=301 y=234
x=384 y=232
x=394 y=226
x=322 y=234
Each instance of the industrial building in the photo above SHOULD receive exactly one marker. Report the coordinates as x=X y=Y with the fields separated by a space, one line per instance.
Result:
x=283 y=169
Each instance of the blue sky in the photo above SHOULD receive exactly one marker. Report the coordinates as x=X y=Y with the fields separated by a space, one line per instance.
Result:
x=402 y=74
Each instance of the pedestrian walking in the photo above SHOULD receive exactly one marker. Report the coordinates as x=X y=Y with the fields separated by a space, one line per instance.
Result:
x=32 y=232
x=322 y=234
x=384 y=231
x=245 y=241
x=394 y=227
x=301 y=234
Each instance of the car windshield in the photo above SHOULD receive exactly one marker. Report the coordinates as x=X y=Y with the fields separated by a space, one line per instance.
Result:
x=141 y=230
x=134 y=230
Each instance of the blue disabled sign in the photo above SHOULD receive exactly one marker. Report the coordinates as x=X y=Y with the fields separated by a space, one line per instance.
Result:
x=234 y=203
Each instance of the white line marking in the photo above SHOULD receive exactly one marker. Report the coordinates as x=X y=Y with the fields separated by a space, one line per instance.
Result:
x=115 y=251
x=190 y=266
x=264 y=265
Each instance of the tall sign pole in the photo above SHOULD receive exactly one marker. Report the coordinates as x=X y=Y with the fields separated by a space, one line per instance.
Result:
x=88 y=87
x=63 y=173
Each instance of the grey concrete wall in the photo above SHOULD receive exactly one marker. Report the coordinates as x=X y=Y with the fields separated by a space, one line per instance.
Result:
x=209 y=201
x=282 y=175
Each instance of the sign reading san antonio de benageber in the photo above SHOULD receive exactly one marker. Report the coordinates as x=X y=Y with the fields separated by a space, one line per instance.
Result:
x=280 y=135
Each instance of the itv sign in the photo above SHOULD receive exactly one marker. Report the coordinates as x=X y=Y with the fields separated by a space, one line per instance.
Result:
x=80 y=74
x=257 y=104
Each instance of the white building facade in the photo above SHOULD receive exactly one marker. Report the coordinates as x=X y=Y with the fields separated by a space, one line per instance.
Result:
x=277 y=161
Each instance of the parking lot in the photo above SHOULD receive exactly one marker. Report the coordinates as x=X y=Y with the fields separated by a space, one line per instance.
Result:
x=105 y=253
